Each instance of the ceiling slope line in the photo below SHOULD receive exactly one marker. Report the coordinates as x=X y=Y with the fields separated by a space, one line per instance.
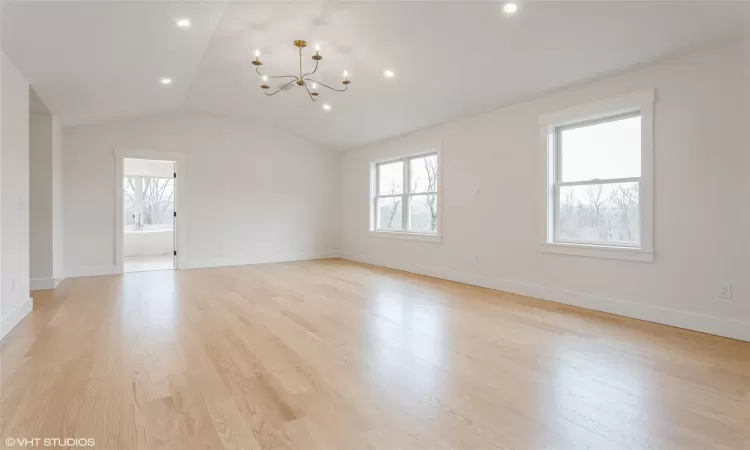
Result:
x=199 y=63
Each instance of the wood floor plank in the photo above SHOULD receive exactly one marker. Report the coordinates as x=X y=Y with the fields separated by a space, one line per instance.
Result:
x=331 y=354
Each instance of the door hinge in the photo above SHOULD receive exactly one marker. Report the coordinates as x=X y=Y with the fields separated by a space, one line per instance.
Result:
x=175 y=174
x=175 y=252
x=175 y=213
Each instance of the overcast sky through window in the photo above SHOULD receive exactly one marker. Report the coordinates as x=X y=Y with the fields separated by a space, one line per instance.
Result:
x=602 y=151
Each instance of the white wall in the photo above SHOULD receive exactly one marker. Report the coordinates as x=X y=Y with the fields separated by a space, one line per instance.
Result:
x=148 y=168
x=702 y=199
x=254 y=194
x=58 y=272
x=40 y=203
x=45 y=204
x=15 y=302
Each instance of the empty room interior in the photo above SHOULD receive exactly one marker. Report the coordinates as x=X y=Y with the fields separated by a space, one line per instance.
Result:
x=375 y=225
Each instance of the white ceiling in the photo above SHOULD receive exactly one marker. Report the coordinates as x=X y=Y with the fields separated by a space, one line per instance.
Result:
x=92 y=61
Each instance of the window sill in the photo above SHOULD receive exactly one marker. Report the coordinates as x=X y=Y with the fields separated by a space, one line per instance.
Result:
x=599 y=251
x=130 y=230
x=436 y=239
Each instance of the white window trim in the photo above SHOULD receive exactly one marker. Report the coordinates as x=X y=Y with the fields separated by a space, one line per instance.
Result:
x=642 y=101
x=405 y=234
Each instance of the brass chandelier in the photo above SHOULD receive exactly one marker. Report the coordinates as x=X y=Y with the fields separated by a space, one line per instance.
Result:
x=302 y=79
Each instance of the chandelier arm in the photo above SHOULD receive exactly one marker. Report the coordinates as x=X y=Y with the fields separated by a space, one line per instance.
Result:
x=279 y=89
x=275 y=76
x=309 y=93
x=313 y=72
x=346 y=86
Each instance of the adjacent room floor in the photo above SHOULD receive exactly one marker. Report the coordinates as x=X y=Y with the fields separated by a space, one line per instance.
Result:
x=332 y=354
x=146 y=263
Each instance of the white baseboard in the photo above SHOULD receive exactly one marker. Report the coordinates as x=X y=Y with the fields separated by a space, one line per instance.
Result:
x=38 y=284
x=10 y=320
x=730 y=328
x=245 y=261
x=91 y=271
x=205 y=263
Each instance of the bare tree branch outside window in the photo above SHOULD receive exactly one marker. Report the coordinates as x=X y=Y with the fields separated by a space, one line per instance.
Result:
x=396 y=204
x=148 y=201
x=626 y=201
x=596 y=202
x=596 y=180
x=430 y=165
x=157 y=199
x=407 y=195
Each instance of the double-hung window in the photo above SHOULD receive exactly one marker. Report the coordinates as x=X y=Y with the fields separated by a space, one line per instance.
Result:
x=599 y=189
x=405 y=199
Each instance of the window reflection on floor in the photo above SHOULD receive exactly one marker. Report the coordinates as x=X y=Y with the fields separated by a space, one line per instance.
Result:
x=150 y=307
x=589 y=380
x=404 y=349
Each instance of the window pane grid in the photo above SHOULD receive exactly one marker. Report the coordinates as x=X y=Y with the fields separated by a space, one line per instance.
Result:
x=591 y=206
x=598 y=214
x=412 y=210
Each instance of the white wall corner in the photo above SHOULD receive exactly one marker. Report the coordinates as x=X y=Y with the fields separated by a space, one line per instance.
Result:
x=91 y=271
x=40 y=284
x=9 y=321
x=14 y=209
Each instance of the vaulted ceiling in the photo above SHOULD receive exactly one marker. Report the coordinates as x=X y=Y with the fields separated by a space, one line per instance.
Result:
x=91 y=61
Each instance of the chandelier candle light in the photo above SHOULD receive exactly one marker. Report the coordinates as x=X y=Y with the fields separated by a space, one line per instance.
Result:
x=302 y=79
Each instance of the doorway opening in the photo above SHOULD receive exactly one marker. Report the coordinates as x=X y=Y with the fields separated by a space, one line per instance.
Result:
x=149 y=215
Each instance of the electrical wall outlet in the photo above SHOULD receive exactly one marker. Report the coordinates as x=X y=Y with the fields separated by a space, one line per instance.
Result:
x=725 y=290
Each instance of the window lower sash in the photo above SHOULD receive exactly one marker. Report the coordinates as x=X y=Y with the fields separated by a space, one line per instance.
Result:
x=405 y=203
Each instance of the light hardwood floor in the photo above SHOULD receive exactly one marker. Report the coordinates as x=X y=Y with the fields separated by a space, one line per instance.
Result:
x=332 y=354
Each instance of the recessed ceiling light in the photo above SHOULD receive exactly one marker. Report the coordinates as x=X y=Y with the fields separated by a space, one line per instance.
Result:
x=388 y=73
x=327 y=107
x=183 y=23
x=510 y=7
x=166 y=81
